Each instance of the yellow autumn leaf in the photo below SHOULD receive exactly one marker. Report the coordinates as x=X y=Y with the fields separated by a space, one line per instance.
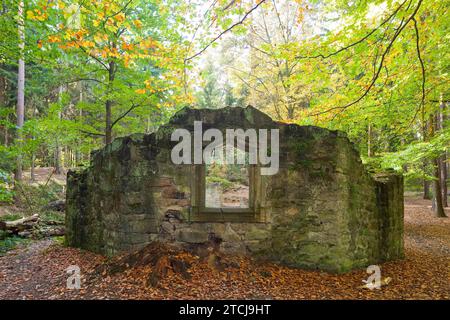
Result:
x=137 y=23
x=127 y=46
x=120 y=17
x=53 y=39
x=61 y=5
x=98 y=38
x=126 y=60
x=30 y=15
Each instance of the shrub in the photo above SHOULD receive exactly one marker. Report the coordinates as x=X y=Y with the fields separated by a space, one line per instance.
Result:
x=6 y=192
x=34 y=198
x=10 y=217
x=9 y=243
x=225 y=184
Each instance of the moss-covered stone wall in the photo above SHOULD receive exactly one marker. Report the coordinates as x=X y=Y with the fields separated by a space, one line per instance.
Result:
x=322 y=210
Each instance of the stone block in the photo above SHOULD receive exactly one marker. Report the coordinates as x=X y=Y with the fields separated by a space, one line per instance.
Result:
x=191 y=236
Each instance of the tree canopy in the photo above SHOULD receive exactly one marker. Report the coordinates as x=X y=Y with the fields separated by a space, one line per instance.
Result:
x=96 y=70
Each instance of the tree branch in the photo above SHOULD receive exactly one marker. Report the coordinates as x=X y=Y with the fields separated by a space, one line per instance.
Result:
x=84 y=79
x=320 y=55
x=92 y=133
x=134 y=106
x=376 y=75
x=225 y=31
x=422 y=66
x=93 y=57
x=116 y=13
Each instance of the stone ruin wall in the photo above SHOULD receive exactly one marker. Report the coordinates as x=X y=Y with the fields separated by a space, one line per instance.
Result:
x=321 y=211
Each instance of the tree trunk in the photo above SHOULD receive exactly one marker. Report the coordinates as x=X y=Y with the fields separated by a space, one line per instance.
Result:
x=369 y=141
x=437 y=190
x=66 y=160
x=426 y=190
x=108 y=120
x=443 y=178
x=33 y=158
x=78 y=155
x=425 y=127
x=33 y=153
x=443 y=159
x=108 y=128
x=4 y=102
x=6 y=133
x=20 y=86
x=57 y=157
x=426 y=183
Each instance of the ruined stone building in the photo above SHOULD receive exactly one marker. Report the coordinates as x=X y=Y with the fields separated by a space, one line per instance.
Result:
x=321 y=210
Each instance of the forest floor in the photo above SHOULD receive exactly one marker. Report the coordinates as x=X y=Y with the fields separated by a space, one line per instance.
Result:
x=38 y=271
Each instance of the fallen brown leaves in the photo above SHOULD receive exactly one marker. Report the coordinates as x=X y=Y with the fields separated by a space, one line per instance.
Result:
x=163 y=272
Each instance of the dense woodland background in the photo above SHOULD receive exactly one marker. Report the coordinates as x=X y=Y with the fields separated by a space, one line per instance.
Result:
x=76 y=74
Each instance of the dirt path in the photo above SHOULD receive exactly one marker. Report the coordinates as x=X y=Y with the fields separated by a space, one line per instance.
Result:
x=39 y=272
x=21 y=277
x=423 y=230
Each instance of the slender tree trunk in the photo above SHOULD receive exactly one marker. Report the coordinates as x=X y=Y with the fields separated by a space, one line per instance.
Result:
x=148 y=125
x=426 y=183
x=78 y=156
x=71 y=158
x=108 y=122
x=3 y=102
x=443 y=159
x=64 y=159
x=20 y=87
x=33 y=153
x=369 y=140
x=437 y=189
x=426 y=190
x=437 y=192
x=443 y=171
x=33 y=160
x=6 y=132
x=108 y=128
x=57 y=158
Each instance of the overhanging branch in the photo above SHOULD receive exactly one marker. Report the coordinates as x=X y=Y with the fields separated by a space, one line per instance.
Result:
x=123 y=115
x=380 y=66
x=320 y=55
x=422 y=67
x=241 y=21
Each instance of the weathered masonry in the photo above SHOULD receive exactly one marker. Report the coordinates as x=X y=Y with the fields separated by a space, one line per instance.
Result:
x=322 y=210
